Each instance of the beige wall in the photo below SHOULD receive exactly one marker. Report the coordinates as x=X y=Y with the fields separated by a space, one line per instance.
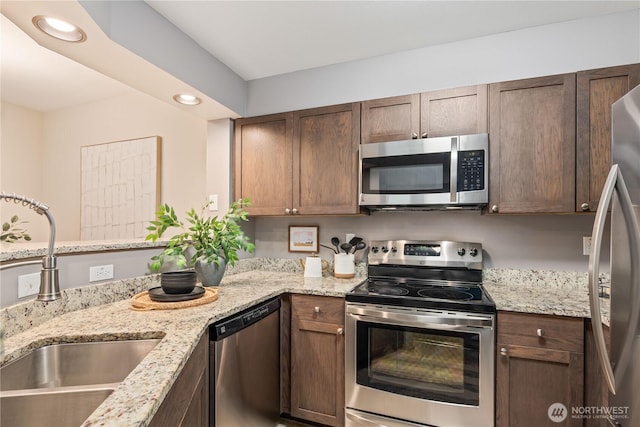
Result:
x=21 y=162
x=184 y=144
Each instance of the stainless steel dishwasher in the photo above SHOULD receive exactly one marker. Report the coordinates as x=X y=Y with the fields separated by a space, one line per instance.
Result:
x=245 y=368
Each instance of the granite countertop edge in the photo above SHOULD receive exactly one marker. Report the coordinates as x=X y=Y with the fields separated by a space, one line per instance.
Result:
x=137 y=398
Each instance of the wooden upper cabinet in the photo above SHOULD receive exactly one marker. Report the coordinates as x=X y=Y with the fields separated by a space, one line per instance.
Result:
x=532 y=145
x=325 y=160
x=303 y=162
x=391 y=119
x=597 y=90
x=459 y=111
x=263 y=163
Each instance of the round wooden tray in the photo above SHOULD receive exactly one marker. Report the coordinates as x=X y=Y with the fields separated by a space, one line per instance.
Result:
x=142 y=301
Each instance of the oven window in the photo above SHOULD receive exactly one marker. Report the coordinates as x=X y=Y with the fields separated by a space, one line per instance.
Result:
x=423 y=363
x=416 y=174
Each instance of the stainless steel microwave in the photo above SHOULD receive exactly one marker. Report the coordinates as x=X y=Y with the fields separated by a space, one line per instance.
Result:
x=425 y=174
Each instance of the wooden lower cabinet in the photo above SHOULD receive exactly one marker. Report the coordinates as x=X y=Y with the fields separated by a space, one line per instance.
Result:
x=317 y=359
x=187 y=403
x=539 y=362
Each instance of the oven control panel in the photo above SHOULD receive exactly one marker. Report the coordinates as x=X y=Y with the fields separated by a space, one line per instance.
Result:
x=426 y=253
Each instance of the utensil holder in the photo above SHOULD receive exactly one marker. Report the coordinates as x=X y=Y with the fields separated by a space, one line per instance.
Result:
x=344 y=266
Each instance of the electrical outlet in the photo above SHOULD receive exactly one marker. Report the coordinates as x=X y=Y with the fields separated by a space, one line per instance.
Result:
x=28 y=284
x=213 y=202
x=349 y=237
x=100 y=272
x=586 y=245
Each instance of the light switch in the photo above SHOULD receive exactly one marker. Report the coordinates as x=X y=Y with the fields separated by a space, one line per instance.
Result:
x=213 y=202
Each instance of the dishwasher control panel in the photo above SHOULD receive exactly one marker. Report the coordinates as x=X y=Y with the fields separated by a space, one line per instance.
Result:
x=241 y=320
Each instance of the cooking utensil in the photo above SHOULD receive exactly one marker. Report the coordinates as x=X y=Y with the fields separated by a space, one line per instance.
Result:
x=355 y=240
x=336 y=242
x=346 y=247
x=359 y=246
x=329 y=247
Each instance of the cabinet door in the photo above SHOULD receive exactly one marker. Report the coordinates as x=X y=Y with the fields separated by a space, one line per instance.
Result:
x=596 y=391
x=317 y=359
x=263 y=163
x=532 y=146
x=325 y=161
x=459 y=111
x=391 y=119
x=530 y=380
x=317 y=372
x=597 y=90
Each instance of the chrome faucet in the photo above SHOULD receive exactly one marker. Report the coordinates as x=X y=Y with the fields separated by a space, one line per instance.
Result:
x=49 y=285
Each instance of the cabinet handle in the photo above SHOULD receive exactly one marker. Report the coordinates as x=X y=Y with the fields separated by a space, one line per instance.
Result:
x=494 y=208
x=414 y=136
x=504 y=351
x=539 y=332
x=424 y=134
x=287 y=211
x=316 y=309
x=339 y=331
x=585 y=206
x=295 y=211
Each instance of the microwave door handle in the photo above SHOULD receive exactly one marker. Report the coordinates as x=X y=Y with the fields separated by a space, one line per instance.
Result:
x=453 y=182
x=614 y=183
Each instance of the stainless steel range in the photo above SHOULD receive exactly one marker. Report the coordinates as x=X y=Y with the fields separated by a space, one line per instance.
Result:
x=420 y=347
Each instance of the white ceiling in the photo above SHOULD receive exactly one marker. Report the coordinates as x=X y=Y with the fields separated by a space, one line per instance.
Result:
x=258 y=39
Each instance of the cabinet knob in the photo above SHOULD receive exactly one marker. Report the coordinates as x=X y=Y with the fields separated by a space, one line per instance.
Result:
x=424 y=134
x=414 y=136
x=585 y=206
x=504 y=351
x=295 y=211
x=316 y=309
x=539 y=332
x=339 y=331
x=287 y=211
x=494 y=208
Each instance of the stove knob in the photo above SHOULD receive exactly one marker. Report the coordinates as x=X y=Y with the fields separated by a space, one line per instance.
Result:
x=461 y=251
x=473 y=251
x=394 y=250
x=385 y=249
x=375 y=249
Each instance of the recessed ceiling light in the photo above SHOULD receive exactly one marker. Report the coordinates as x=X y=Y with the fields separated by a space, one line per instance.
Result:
x=186 y=99
x=59 y=29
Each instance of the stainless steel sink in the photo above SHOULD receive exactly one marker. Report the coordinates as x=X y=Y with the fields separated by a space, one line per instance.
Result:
x=63 y=365
x=62 y=384
x=50 y=407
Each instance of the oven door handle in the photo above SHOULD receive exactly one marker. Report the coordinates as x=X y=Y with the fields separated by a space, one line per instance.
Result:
x=421 y=321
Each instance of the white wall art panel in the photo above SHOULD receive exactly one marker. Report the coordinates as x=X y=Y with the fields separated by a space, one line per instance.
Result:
x=120 y=188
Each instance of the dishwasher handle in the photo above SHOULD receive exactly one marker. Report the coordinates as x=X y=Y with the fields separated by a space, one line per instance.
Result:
x=238 y=321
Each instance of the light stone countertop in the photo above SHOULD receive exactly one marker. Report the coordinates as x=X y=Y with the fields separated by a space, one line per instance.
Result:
x=26 y=250
x=137 y=398
x=101 y=312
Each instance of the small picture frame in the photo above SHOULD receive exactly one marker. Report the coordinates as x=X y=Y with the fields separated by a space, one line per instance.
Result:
x=303 y=239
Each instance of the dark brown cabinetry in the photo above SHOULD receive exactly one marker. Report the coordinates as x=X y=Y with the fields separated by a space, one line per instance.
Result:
x=597 y=90
x=532 y=137
x=458 y=111
x=263 y=163
x=187 y=403
x=317 y=359
x=299 y=163
x=539 y=362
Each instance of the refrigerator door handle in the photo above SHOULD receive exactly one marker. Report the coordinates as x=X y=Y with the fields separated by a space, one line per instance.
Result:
x=614 y=183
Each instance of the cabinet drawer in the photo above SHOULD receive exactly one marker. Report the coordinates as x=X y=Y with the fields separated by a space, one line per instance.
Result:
x=318 y=308
x=536 y=330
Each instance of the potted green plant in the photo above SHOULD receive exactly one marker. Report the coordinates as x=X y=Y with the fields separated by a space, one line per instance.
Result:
x=12 y=231
x=206 y=243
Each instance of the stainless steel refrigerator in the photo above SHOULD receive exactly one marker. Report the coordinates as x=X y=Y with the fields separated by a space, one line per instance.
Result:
x=621 y=364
